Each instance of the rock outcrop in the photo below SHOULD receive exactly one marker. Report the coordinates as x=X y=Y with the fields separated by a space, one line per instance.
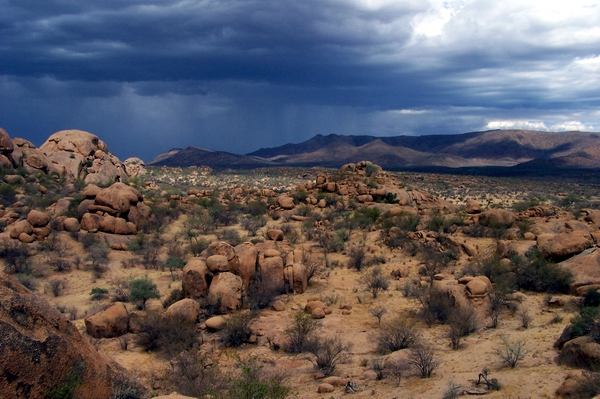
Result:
x=40 y=351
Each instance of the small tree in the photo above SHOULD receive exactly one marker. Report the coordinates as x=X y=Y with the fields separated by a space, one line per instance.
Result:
x=422 y=357
x=174 y=263
x=237 y=329
x=329 y=352
x=462 y=322
x=357 y=257
x=397 y=334
x=142 y=289
x=300 y=332
x=375 y=281
x=511 y=353
x=378 y=313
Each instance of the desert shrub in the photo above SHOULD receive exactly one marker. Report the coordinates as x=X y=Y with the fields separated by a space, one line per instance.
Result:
x=328 y=353
x=196 y=374
x=28 y=281
x=462 y=322
x=511 y=352
x=56 y=286
x=7 y=194
x=166 y=335
x=300 y=196
x=121 y=289
x=375 y=281
x=231 y=236
x=98 y=294
x=125 y=388
x=65 y=389
x=257 y=208
x=237 y=328
x=436 y=305
x=149 y=256
x=536 y=273
x=86 y=239
x=498 y=302
x=366 y=217
x=142 y=289
x=591 y=298
x=357 y=256
x=16 y=256
x=453 y=391
x=434 y=262
x=300 y=333
x=492 y=384
x=397 y=334
x=197 y=245
x=261 y=292
x=525 y=317
x=436 y=221
x=59 y=264
x=175 y=295
x=253 y=224
x=378 y=313
x=422 y=357
x=586 y=322
x=97 y=258
x=255 y=383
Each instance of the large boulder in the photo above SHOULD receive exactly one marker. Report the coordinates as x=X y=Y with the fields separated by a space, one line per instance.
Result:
x=225 y=249
x=186 y=309
x=225 y=293
x=196 y=278
x=40 y=350
x=119 y=197
x=271 y=270
x=6 y=144
x=296 y=275
x=564 y=245
x=134 y=167
x=75 y=141
x=109 y=323
x=581 y=352
x=217 y=263
x=497 y=218
x=472 y=207
x=90 y=222
x=17 y=228
x=286 y=202
x=247 y=256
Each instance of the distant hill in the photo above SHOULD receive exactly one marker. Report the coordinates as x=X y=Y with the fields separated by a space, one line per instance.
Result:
x=196 y=156
x=495 y=148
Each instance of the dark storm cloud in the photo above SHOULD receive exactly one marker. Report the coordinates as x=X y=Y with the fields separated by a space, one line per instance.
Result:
x=238 y=75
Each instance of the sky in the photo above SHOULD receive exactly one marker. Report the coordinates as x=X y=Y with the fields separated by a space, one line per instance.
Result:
x=237 y=75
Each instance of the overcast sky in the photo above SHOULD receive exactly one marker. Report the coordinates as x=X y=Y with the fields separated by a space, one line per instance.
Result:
x=237 y=75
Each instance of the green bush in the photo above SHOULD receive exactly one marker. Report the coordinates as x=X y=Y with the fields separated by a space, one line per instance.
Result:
x=254 y=383
x=301 y=332
x=237 y=329
x=166 y=335
x=142 y=289
x=535 y=273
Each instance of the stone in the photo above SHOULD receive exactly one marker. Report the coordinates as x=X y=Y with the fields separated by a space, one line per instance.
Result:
x=186 y=309
x=286 y=202
x=118 y=196
x=564 y=245
x=26 y=238
x=247 y=256
x=225 y=249
x=271 y=270
x=325 y=388
x=217 y=263
x=196 y=278
x=278 y=305
x=71 y=225
x=17 y=228
x=580 y=352
x=225 y=292
x=472 y=207
x=112 y=322
x=134 y=167
x=6 y=144
x=318 y=313
x=37 y=218
x=90 y=222
x=90 y=191
x=497 y=218
x=477 y=287
x=39 y=348
x=275 y=234
x=296 y=275
x=215 y=323
x=565 y=336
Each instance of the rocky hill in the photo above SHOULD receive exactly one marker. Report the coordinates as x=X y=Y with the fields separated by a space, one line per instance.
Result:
x=497 y=148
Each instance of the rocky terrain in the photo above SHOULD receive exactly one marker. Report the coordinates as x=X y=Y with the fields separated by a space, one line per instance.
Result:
x=124 y=280
x=513 y=151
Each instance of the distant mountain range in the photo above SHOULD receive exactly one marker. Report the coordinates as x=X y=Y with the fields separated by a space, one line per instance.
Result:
x=518 y=149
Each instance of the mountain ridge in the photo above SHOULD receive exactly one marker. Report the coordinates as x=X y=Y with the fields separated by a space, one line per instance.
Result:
x=494 y=148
